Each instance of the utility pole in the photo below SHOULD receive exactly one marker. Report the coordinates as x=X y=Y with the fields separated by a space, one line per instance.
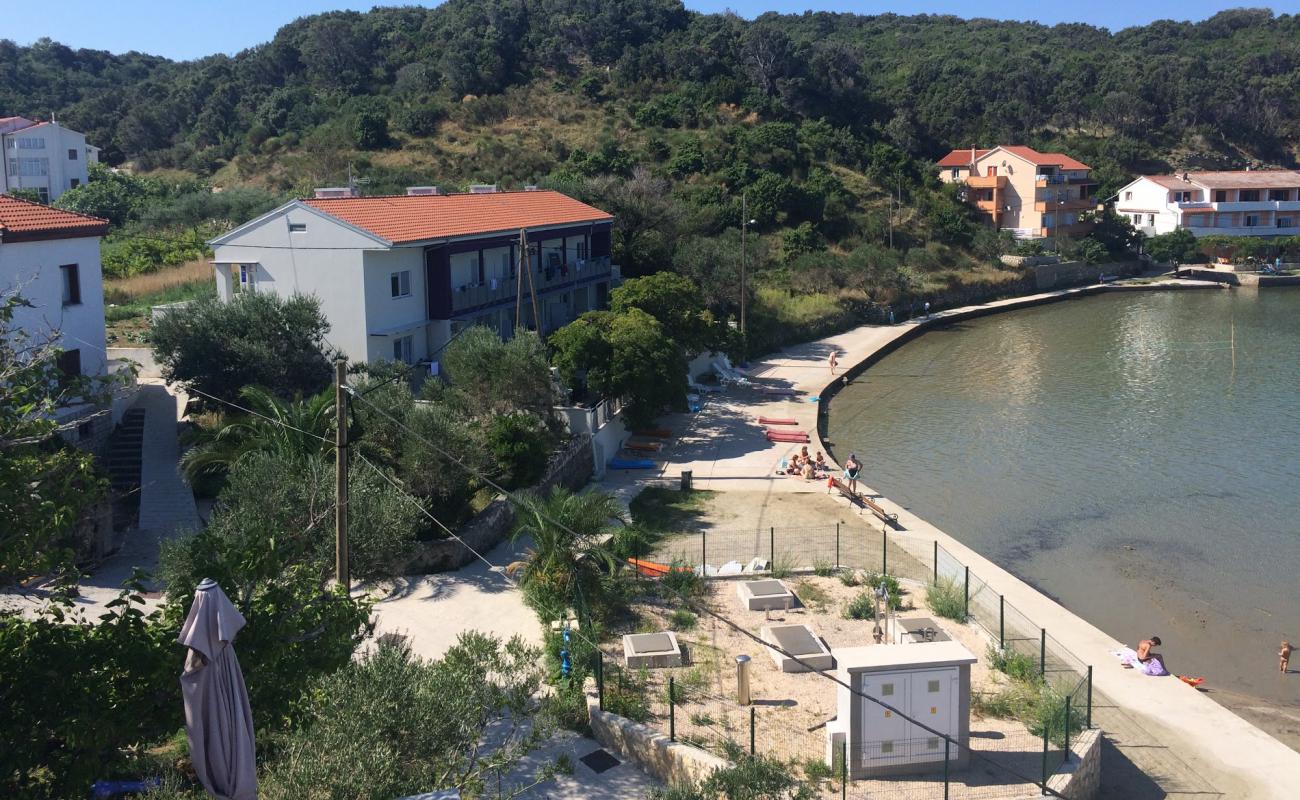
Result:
x=744 y=225
x=532 y=285
x=341 y=570
x=519 y=277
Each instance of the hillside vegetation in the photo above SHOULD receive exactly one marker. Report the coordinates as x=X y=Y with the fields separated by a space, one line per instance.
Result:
x=825 y=123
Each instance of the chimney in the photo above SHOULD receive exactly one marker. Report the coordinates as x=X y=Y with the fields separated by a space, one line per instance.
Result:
x=482 y=188
x=422 y=191
x=335 y=192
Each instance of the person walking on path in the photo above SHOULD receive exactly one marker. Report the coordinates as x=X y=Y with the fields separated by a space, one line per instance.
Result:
x=927 y=309
x=851 y=470
x=835 y=360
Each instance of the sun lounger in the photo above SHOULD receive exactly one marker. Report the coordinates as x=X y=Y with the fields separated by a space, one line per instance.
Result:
x=776 y=421
x=631 y=463
x=643 y=447
x=798 y=437
x=704 y=388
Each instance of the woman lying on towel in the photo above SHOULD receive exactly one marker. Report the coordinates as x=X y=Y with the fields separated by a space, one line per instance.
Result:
x=1144 y=659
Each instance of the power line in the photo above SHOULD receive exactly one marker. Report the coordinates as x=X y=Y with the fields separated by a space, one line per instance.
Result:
x=694 y=604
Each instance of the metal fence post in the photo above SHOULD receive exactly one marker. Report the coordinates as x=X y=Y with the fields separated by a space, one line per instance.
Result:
x=837 y=546
x=600 y=679
x=753 y=720
x=1046 y=732
x=947 y=743
x=771 y=543
x=884 y=552
x=936 y=560
x=1002 y=621
x=704 y=552
x=1042 y=652
x=672 y=709
x=844 y=769
x=1089 y=717
x=1068 y=698
x=965 y=603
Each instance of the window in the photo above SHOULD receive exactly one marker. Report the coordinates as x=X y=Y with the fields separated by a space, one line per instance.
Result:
x=31 y=143
x=403 y=348
x=886 y=748
x=583 y=250
x=71 y=284
x=400 y=283
x=955 y=174
x=1252 y=220
x=1137 y=219
x=932 y=743
x=1220 y=195
x=247 y=277
x=74 y=183
x=297 y=227
x=1151 y=219
x=886 y=689
x=69 y=363
x=1248 y=196
x=1284 y=222
x=43 y=195
x=72 y=154
x=1182 y=197
x=1279 y=194
x=29 y=167
x=1128 y=195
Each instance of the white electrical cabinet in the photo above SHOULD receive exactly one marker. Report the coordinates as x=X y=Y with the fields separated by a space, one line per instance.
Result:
x=908 y=701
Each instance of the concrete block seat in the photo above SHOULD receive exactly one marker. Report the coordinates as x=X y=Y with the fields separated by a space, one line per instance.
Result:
x=797 y=640
x=651 y=650
x=765 y=595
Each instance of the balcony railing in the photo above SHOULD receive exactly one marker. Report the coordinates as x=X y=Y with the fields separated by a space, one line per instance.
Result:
x=987 y=181
x=1049 y=180
x=497 y=290
x=1073 y=204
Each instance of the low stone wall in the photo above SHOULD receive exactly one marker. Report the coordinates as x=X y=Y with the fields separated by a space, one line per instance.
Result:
x=1029 y=261
x=571 y=468
x=1074 y=273
x=1080 y=778
x=672 y=762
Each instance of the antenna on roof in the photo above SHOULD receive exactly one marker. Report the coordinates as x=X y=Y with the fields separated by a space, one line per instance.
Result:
x=354 y=182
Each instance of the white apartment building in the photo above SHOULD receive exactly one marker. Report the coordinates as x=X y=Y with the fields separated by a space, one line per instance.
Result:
x=44 y=156
x=398 y=276
x=51 y=258
x=1238 y=203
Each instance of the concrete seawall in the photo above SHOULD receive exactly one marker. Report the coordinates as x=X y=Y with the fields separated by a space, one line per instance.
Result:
x=1245 y=761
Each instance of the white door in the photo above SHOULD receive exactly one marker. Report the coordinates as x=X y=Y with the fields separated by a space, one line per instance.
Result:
x=884 y=733
x=933 y=696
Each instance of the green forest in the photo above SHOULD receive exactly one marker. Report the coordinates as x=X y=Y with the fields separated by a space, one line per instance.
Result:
x=826 y=123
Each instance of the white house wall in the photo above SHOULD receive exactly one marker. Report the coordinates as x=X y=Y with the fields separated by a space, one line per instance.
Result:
x=324 y=261
x=390 y=316
x=33 y=269
x=1148 y=198
x=61 y=171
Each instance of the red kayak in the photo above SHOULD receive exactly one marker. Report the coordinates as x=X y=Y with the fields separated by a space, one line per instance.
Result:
x=787 y=436
x=776 y=421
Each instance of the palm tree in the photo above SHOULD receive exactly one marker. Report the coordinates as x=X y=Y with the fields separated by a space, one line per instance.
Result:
x=287 y=429
x=570 y=555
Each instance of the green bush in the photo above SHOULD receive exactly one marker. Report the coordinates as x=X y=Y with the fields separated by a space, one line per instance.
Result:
x=1017 y=666
x=681 y=581
x=863 y=606
x=682 y=619
x=947 y=599
x=850 y=577
x=521 y=445
x=823 y=569
x=892 y=588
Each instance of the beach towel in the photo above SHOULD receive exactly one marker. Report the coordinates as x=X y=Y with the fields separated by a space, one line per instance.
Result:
x=1129 y=656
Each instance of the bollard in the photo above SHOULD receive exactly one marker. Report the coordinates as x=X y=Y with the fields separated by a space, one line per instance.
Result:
x=672 y=709
x=742 y=680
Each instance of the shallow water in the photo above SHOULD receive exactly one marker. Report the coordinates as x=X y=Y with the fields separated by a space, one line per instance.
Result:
x=1135 y=455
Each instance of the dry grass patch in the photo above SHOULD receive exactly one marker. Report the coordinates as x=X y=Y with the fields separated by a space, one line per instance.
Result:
x=120 y=291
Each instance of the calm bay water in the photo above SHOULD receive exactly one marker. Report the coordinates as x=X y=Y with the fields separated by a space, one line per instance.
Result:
x=1136 y=456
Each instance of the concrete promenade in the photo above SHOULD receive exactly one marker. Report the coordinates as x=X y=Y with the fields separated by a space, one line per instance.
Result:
x=1179 y=742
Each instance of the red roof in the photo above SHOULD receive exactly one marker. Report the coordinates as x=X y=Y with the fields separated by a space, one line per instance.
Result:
x=960 y=158
x=23 y=220
x=414 y=218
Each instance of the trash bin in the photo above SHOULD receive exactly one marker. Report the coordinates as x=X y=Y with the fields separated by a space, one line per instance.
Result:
x=686 y=480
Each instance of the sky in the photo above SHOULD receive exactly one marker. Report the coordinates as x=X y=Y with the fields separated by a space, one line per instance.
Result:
x=184 y=29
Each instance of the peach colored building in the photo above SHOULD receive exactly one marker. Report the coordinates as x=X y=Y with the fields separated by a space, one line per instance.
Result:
x=1034 y=195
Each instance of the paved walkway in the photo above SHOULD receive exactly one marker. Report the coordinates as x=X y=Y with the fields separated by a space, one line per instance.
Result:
x=1165 y=739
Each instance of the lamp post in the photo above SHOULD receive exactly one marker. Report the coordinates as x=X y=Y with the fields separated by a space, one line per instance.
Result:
x=1060 y=209
x=745 y=222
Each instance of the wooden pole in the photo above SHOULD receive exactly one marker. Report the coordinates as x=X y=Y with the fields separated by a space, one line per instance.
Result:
x=532 y=287
x=519 y=277
x=341 y=571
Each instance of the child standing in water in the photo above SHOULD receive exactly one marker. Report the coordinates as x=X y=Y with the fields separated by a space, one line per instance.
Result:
x=1284 y=656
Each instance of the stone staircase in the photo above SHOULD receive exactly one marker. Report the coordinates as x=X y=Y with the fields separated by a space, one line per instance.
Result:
x=123 y=462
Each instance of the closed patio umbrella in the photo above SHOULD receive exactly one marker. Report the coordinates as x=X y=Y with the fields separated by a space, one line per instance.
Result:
x=217 y=715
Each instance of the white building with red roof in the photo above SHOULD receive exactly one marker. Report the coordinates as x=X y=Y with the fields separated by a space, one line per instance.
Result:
x=1236 y=203
x=44 y=157
x=398 y=276
x=1034 y=195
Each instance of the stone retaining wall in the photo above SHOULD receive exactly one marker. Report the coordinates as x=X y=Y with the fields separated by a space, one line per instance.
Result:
x=571 y=468
x=672 y=762
x=1080 y=778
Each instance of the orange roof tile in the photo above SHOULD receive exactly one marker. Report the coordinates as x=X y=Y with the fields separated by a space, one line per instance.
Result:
x=23 y=220
x=413 y=218
x=960 y=158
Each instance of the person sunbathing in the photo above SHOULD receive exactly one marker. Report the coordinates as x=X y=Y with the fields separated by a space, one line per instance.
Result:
x=1146 y=654
x=808 y=472
x=820 y=463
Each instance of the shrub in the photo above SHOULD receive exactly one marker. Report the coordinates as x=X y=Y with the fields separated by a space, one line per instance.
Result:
x=682 y=619
x=863 y=606
x=947 y=599
x=892 y=588
x=1017 y=666
x=816 y=770
x=783 y=565
x=850 y=577
x=823 y=569
x=521 y=445
x=625 y=694
x=682 y=581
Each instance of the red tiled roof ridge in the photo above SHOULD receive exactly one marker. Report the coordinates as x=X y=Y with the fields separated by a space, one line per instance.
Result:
x=963 y=156
x=24 y=217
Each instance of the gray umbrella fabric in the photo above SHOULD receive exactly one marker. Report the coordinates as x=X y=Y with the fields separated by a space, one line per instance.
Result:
x=218 y=718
